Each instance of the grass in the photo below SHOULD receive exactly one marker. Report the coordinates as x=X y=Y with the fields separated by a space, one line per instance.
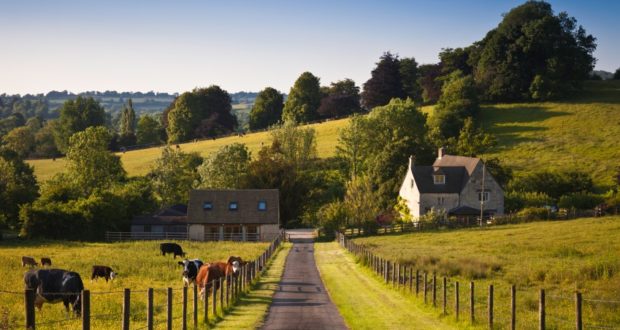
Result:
x=581 y=133
x=139 y=264
x=560 y=257
x=364 y=301
x=251 y=310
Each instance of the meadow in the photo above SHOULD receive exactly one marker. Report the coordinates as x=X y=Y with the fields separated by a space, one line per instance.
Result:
x=139 y=265
x=580 y=133
x=559 y=256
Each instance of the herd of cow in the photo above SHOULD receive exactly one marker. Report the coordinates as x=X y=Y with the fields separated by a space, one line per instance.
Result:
x=56 y=285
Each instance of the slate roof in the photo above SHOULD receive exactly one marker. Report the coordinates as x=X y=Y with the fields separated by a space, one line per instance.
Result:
x=247 y=206
x=469 y=163
x=456 y=177
x=177 y=210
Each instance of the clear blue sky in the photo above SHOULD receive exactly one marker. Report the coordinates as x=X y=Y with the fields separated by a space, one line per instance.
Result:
x=174 y=46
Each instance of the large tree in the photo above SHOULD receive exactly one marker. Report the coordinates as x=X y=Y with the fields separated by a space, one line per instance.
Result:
x=384 y=84
x=225 y=169
x=148 y=130
x=459 y=100
x=21 y=140
x=429 y=82
x=343 y=99
x=410 y=74
x=267 y=109
x=534 y=53
x=303 y=99
x=75 y=116
x=18 y=186
x=173 y=175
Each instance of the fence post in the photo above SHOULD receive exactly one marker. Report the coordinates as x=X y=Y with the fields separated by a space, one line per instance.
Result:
x=425 y=293
x=29 y=303
x=410 y=279
x=491 y=306
x=578 y=323
x=434 y=290
x=221 y=295
x=513 y=307
x=85 y=310
x=456 y=300
x=541 y=310
x=184 y=309
x=214 y=284
x=149 y=309
x=228 y=290
x=206 y=311
x=195 y=306
x=445 y=303
x=471 y=302
x=417 y=282
x=169 y=309
x=126 y=308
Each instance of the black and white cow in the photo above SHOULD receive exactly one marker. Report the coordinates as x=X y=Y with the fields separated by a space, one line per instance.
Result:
x=102 y=271
x=55 y=285
x=173 y=248
x=190 y=270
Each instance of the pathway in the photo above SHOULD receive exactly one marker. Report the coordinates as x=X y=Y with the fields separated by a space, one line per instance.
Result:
x=301 y=301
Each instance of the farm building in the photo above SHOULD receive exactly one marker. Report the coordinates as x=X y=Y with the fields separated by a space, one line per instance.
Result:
x=453 y=184
x=240 y=215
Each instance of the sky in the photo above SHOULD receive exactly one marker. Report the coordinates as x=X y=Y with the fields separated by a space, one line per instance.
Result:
x=175 y=46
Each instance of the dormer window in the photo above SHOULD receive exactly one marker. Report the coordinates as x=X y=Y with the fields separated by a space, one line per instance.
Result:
x=262 y=206
x=207 y=206
x=439 y=179
x=233 y=206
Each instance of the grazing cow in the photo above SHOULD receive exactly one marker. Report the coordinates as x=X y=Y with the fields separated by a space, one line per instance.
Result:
x=46 y=262
x=206 y=275
x=103 y=271
x=29 y=261
x=173 y=248
x=55 y=285
x=234 y=265
x=190 y=270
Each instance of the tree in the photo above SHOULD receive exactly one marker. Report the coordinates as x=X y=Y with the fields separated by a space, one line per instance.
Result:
x=532 y=41
x=44 y=143
x=385 y=83
x=128 y=120
x=18 y=186
x=343 y=99
x=173 y=175
x=225 y=169
x=148 y=130
x=350 y=144
x=453 y=59
x=296 y=144
x=458 y=101
x=409 y=75
x=90 y=165
x=267 y=109
x=617 y=74
x=362 y=202
x=473 y=141
x=429 y=82
x=75 y=116
x=21 y=140
x=303 y=99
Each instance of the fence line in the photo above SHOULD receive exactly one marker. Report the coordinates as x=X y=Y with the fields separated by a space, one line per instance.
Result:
x=428 y=288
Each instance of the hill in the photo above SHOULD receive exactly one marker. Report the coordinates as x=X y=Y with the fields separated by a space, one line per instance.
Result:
x=580 y=133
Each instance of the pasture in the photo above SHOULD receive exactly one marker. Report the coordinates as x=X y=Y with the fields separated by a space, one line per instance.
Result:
x=559 y=256
x=139 y=265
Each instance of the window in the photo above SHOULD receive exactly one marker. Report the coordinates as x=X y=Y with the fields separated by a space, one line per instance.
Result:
x=233 y=206
x=483 y=196
x=440 y=200
x=262 y=206
x=439 y=179
x=207 y=206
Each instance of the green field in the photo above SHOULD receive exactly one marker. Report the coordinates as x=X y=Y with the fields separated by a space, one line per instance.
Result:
x=578 y=134
x=139 y=264
x=559 y=256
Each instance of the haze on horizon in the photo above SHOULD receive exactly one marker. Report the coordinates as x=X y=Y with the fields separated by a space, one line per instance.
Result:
x=173 y=47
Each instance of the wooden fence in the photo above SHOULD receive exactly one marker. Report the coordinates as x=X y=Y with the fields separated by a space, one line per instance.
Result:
x=428 y=287
x=224 y=293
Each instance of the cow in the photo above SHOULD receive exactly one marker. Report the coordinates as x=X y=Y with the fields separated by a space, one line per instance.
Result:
x=29 y=261
x=206 y=275
x=234 y=265
x=173 y=248
x=55 y=285
x=46 y=262
x=190 y=270
x=102 y=271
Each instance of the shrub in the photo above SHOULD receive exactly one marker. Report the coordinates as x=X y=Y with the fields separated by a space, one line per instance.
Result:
x=517 y=200
x=534 y=213
x=580 y=201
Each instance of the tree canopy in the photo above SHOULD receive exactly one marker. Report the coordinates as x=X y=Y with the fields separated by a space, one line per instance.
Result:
x=18 y=186
x=303 y=99
x=267 y=109
x=75 y=116
x=343 y=99
x=385 y=82
x=225 y=169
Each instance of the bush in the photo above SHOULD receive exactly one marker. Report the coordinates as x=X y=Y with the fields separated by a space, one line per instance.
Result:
x=517 y=200
x=534 y=213
x=580 y=201
x=553 y=184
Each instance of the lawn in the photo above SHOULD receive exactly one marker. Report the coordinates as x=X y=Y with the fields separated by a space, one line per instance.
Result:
x=139 y=265
x=559 y=256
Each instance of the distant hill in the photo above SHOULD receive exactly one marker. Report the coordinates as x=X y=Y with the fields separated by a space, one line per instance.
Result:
x=605 y=75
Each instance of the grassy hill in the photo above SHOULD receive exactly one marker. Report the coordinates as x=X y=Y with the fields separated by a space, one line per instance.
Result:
x=580 y=133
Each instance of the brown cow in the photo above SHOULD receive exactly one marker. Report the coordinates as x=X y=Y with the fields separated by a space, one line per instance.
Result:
x=29 y=261
x=46 y=262
x=207 y=274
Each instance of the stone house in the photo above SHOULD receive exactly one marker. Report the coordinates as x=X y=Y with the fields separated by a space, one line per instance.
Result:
x=453 y=184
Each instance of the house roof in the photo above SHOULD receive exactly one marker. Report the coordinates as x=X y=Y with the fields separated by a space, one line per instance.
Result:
x=176 y=210
x=247 y=211
x=469 y=163
x=155 y=220
x=455 y=178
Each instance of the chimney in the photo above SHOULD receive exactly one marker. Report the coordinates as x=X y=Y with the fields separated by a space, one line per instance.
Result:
x=440 y=153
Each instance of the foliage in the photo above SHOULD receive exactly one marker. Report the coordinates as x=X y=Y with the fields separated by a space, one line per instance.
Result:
x=303 y=99
x=473 y=141
x=409 y=75
x=429 y=82
x=225 y=169
x=434 y=217
x=350 y=144
x=203 y=112
x=617 y=74
x=455 y=59
x=267 y=109
x=332 y=217
x=517 y=200
x=21 y=140
x=296 y=144
x=342 y=99
x=401 y=208
x=90 y=165
x=580 y=201
x=533 y=213
x=127 y=129
x=554 y=184
x=148 y=130
x=501 y=173
x=44 y=143
x=458 y=101
x=76 y=116
x=362 y=203
x=173 y=175
x=18 y=186
x=385 y=82
x=534 y=53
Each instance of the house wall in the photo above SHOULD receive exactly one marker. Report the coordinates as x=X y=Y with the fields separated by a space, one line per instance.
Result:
x=409 y=192
x=269 y=232
x=428 y=201
x=469 y=194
